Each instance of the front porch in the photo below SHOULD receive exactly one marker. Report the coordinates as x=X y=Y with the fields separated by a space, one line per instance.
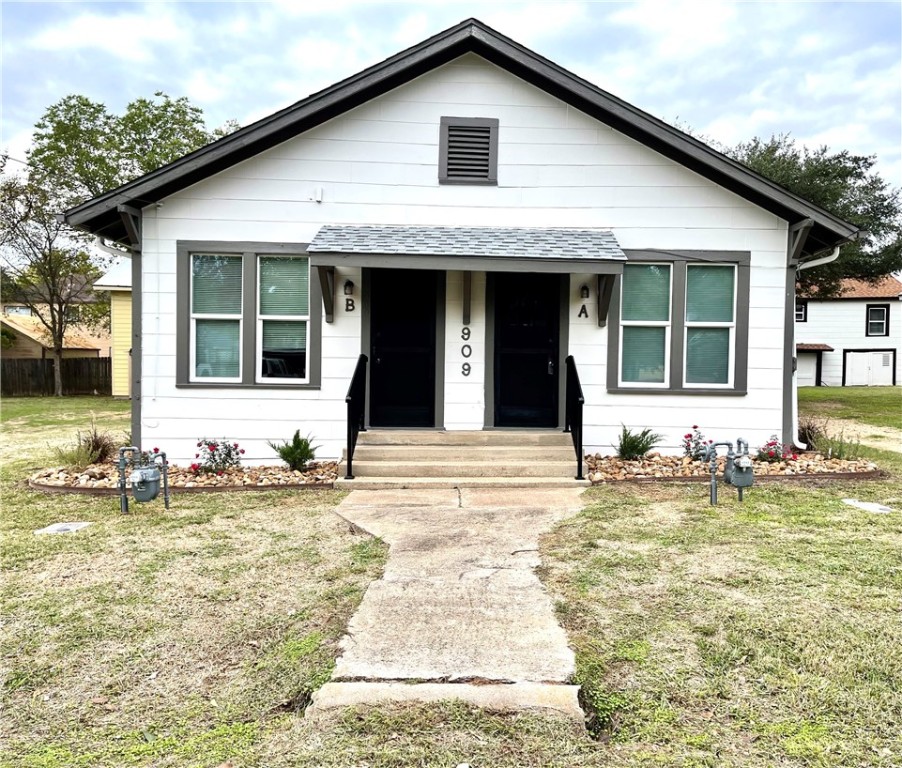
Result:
x=462 y=459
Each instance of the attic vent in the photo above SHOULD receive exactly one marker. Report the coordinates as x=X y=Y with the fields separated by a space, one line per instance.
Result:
x=468 y=151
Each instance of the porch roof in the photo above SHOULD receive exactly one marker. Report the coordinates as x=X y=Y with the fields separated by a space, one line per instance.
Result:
x=493 y=249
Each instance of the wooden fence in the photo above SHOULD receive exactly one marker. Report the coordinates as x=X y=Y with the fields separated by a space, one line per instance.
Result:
x=81 y=376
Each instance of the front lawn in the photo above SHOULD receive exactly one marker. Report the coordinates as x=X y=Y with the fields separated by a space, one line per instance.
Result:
x=880 y=406
x=756 y=634
x=178 y=638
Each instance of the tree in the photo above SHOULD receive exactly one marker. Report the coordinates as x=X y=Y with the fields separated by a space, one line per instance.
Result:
x=80 y=150
x=43 y=268
x=845 y=185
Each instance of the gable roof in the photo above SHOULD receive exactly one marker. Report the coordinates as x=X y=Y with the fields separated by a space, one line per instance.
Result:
x=117 y=278
x=102 y=215
x=34 y=329
x=887 y=287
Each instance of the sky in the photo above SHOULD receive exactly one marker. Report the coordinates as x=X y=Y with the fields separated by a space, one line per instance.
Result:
x=826 y=73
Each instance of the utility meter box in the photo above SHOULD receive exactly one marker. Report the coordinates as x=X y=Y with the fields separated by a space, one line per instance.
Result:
x=738 y=472
x=145 y=483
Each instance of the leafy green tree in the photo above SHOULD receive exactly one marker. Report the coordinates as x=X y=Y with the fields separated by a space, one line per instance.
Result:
x=81 y=150
x=847 y=186
x=42 y=267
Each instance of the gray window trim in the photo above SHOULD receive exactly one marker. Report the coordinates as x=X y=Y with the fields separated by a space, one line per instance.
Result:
x=249 y=252
x=679 y=261
x=480 y=122
x=867 y=320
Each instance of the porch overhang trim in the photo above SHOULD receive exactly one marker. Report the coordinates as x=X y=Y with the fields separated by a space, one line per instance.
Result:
x=468 y=263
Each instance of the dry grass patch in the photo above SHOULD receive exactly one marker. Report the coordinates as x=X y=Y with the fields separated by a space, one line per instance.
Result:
x=749 y=634
x=181 y=638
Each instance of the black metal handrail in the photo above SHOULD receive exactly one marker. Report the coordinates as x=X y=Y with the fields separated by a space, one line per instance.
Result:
x=573 y=412
x=356 y=400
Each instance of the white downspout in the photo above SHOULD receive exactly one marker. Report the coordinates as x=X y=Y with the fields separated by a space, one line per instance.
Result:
x=833 y=256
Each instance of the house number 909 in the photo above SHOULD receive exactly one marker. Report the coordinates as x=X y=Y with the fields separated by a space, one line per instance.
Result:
x=466 y=350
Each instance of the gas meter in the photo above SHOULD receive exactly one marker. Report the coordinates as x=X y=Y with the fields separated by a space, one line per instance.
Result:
x=737 y=470
x=147 y=470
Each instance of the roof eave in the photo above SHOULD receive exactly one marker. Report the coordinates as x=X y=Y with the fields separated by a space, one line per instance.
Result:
x=100 y=216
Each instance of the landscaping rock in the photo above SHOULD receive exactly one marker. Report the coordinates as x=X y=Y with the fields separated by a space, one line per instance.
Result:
x=107 y=476
x=606 y=468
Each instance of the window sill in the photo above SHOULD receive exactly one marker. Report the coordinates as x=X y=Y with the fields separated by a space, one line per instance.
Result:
x=676 y=391
x=221 y=385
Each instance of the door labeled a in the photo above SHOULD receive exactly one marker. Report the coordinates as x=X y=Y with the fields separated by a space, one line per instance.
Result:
x=527 y=341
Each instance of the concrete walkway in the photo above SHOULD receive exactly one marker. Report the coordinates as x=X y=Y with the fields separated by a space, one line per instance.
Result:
x=459 y=612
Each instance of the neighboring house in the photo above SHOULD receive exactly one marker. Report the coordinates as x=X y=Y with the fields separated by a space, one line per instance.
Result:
x=118 y=281
x=854 y=339
x=466 y=214
x=30 y=339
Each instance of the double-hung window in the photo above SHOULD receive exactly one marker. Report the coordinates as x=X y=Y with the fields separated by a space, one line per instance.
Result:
x=679 y=323
x=877 y=320
x=283 y=314
x=216 y=302
x=710 y=325
x=248 y=315
x=646 y=326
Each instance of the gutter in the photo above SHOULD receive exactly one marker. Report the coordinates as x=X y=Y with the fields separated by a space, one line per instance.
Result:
x=797 y=443
x=833 y=256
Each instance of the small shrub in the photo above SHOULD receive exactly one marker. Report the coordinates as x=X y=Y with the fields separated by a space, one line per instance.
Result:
x=92 y=446
x=77 y=457
x=216 y=456
x=773 y=451
x=101 y=444
x=694 y=444
x=812 y=430
x=296 y=453
x=634 y=445
x=838 y=447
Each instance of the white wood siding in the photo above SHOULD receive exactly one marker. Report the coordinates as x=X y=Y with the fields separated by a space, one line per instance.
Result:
x=378 y=164
x=841 y=324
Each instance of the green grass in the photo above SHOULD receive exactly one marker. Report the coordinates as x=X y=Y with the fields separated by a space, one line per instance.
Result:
x=60 y=411
x=184 y=637
x=880 y=406
x=746 y=635
x=762 y=633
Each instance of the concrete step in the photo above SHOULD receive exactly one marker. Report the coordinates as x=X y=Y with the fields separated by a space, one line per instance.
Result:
x=466 y=437
x=506 y=468
x=558 y=700
x=396 y=483
x=465 y=453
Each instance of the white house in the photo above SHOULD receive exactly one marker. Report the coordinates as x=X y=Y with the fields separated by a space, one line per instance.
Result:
x=854 y=339
x=467 y=215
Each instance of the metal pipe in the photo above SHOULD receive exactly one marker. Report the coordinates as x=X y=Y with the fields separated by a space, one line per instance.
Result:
x=123 y=495
x=712 y=455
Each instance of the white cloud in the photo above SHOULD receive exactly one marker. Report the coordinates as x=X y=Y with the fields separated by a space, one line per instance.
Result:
x=531 y=23
x=132 y=37
x=682 y=29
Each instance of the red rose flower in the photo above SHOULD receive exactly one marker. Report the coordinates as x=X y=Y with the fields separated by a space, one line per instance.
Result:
x=241 y=451
x=156 y=450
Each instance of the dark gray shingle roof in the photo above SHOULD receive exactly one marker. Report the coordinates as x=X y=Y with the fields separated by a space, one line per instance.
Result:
x=495 y=242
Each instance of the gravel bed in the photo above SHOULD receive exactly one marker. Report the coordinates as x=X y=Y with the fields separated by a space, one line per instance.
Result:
x=603 y=469
x=106 y=476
